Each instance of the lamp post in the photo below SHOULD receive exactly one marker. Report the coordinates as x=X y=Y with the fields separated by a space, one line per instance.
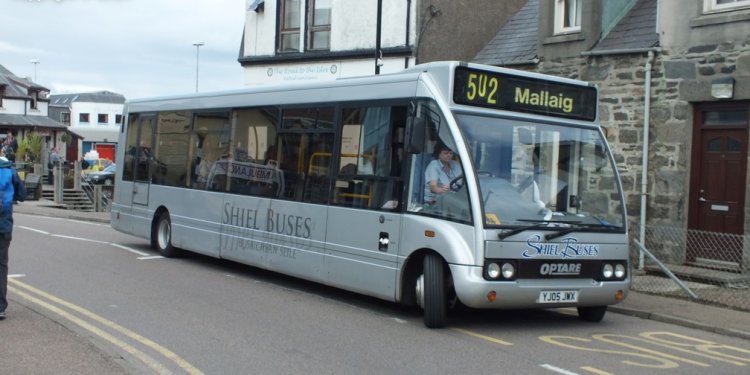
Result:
x=197 y=56
x=35 y=62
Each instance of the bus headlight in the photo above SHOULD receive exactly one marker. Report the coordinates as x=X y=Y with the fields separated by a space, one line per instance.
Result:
x=620 y=271
x=493 y=270
x=509 y=271
x=499 y=270
x=607 y=271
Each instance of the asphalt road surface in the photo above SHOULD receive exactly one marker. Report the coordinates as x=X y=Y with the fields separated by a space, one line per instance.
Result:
x=200 y=315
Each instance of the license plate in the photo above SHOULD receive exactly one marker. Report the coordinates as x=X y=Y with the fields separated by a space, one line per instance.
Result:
x=558 y=296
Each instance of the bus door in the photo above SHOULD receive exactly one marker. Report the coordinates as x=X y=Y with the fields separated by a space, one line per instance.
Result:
x=364 y=220
x=138 y=156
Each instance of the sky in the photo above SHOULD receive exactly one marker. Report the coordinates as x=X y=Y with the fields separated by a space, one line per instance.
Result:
x=137 y=48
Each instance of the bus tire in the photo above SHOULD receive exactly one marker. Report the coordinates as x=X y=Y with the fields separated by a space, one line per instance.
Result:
x=163 y=235
x=592 y=313
x=435 y=300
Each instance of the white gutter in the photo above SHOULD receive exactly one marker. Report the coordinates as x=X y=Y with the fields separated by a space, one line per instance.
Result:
x=644 y=167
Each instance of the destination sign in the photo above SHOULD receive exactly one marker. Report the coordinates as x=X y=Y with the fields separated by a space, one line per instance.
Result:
x=483 y=88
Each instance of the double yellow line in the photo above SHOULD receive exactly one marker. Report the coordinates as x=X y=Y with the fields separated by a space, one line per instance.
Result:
x=57 y=305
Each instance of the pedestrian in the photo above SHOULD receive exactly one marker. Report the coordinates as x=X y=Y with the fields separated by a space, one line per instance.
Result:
x=11 y=142
x=54 y=161
x=11 y=188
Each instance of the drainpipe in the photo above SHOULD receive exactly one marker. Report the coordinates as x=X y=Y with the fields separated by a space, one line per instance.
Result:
x=408 y=27
x=378 y=52
x=644 y=168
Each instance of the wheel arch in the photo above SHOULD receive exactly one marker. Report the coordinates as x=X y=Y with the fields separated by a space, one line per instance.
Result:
x=412 y=269
x=154 y=223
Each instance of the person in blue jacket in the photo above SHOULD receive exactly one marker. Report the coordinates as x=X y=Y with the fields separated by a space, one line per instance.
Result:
x=11 y=188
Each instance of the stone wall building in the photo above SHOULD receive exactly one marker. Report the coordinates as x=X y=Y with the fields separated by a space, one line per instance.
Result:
x=674 y=76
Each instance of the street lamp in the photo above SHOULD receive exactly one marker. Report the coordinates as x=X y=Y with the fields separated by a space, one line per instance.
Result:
x=197 y=55
x=35 y=62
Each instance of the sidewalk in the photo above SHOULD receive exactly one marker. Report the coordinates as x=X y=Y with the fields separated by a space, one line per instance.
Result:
x=33 y=343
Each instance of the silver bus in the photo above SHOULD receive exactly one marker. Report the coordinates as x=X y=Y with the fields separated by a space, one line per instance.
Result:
x=448 y=183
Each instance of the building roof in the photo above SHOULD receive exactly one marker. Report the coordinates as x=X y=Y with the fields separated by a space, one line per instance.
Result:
x=21 y=121
x=637 y=30
x=516 y=42
x=16 y=86
x=64 y=100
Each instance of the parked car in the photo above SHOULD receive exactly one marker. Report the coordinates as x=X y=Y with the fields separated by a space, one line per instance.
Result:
x=104 y=177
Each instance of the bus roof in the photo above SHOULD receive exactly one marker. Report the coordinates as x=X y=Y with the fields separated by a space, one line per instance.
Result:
x=386 y=86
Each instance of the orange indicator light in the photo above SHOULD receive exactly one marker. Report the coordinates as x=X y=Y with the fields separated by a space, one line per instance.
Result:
x=429 y=233
x=491 y=296
x=619 y=295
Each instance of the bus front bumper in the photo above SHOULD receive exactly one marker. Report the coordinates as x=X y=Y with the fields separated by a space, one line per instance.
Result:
x=476 y=292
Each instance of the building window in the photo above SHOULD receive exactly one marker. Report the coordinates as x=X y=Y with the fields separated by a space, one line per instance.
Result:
x=289 y=26
x=83 y=117
x=316 y=28
x=102 y=118
x=319 y=34
x=118 y=119
x=567 y=16
x=65 y=118
x=2 y=93
x=724 y=5
x=34 y=99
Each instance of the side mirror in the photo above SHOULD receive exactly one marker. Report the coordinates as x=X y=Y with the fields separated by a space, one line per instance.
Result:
x=415 y=132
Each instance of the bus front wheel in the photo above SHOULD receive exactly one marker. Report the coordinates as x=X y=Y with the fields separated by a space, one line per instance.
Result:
x=164 y=236
x=592 y=313
x=432 y=292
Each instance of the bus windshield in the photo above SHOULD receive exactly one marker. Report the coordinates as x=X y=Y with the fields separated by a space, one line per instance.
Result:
x=531 y=173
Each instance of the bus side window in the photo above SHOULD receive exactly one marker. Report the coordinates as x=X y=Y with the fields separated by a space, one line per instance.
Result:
x=306 y=132
x=371 y=147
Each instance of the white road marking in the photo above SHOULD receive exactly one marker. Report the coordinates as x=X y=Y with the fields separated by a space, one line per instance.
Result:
x=151 y=257
x=141 y=253
x=79 y=238
x=558 y=370
x=16 y=275
x=32 y=229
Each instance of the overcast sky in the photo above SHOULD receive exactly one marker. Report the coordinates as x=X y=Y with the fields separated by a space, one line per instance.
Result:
x=138 y=48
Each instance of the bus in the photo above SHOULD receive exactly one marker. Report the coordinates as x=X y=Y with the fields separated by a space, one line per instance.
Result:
x=329 y=182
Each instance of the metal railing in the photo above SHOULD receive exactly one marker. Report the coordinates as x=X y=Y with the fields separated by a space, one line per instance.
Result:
x=707 y=266
x=99 y=195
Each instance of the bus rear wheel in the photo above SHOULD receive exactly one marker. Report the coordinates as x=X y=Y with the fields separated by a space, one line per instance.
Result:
x=432 y=292
x=592 y=313
x=164 y=237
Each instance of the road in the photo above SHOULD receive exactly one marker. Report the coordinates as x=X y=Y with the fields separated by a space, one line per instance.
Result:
x=200 y=315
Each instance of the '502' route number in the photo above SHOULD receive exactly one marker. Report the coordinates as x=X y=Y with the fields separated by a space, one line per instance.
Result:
x=479 y=84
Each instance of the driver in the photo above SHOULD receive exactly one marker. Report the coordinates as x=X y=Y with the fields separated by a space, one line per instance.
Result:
x=440 y=172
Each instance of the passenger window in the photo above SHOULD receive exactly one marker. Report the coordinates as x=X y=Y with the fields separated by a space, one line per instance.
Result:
x=371 y=153
x=305 y=148
x=255 y=168
x=173 y=136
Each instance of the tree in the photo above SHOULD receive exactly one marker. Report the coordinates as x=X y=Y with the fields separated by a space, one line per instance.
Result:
x=30 y=148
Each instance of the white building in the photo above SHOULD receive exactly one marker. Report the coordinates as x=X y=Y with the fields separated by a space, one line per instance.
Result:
x=23 y=109
x=298 y=40
x=303 y=40
x=95 y=116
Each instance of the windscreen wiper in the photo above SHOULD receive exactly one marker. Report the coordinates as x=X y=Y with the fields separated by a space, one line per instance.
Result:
x=537 y=224
x=577 y=227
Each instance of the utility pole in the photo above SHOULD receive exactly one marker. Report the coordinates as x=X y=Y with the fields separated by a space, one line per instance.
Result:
x=197 y=57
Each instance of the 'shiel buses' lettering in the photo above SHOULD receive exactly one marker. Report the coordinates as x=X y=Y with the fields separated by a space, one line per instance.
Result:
x=500 y=91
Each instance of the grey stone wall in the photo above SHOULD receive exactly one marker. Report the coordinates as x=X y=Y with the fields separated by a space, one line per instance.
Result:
x=678 y=79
